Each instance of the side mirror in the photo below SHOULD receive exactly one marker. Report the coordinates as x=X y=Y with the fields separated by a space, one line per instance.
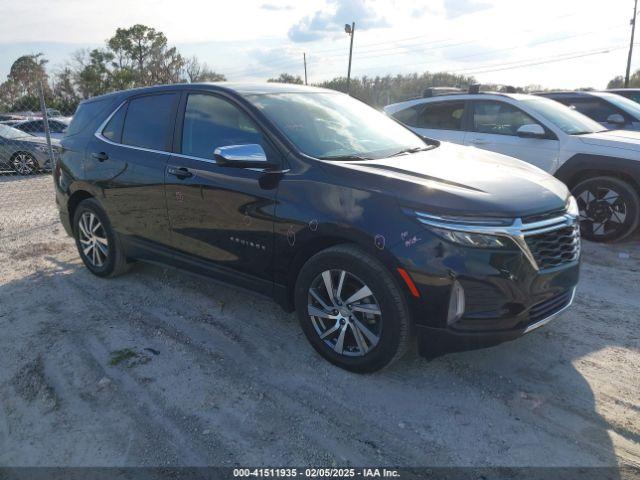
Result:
x=616 y=119
x=531 y=130
x=241 y=156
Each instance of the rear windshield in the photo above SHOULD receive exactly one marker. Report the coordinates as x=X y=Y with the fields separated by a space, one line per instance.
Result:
x=85 y=113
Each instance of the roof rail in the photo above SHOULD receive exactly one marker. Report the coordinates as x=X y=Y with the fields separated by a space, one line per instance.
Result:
x=435 y=91
x=474 y=88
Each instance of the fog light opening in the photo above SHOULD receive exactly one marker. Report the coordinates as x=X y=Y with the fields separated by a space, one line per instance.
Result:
x=456 y=303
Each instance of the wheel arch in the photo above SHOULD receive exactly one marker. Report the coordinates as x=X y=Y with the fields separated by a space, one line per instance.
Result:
x=318 y=244
x=583 y=166
x=73 y=202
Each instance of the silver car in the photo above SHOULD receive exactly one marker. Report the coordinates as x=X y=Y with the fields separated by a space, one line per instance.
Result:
x=25 y=153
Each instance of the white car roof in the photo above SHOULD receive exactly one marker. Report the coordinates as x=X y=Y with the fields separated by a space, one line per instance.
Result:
x=394 y=107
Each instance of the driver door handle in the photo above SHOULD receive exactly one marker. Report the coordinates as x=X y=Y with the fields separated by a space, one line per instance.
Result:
x=180 y=172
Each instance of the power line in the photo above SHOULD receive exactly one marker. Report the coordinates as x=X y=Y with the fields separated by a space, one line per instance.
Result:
x=285 y=63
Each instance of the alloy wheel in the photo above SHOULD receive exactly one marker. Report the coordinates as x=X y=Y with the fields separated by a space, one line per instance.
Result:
x=24 y=164
x=344 y=312
x=603 y=210
x=93 y=239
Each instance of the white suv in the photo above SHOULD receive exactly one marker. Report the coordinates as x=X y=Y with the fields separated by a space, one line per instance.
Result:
x=602 y=168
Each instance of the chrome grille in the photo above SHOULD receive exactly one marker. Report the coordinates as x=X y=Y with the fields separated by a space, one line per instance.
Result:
x=556 y=247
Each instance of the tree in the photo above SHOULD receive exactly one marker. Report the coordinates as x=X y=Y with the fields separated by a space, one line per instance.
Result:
x=27 y=73
x=145 y=51
x=194 y=71
x=287 y=78
x=93 y=76
x=65 y=97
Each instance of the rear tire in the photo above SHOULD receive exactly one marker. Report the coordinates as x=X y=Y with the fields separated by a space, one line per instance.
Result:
x=609 y=208
x=368 y=309
x=98 y=244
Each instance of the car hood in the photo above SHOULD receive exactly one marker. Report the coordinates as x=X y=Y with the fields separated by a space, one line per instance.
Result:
x=624 y=139
x=465 y=181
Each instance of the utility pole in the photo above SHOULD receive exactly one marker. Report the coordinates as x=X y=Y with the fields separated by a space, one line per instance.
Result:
x=351 y=30
x=633 y=32
x=304 y=57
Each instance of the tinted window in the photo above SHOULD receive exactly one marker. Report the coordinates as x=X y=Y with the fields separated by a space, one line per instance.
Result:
x=34 y=126
x=499 y=118
x=442 y=116
x=57 y=127
x=211 y=122
x=593 y=107
x=408 y=116
x=149 y=121
x=85 y=114
x=113 y=129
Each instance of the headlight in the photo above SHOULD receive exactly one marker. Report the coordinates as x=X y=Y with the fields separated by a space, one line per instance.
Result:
x=572 y=207
x=477 y=240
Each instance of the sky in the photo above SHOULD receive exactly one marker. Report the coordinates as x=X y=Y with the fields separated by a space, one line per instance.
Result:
x=552 y=43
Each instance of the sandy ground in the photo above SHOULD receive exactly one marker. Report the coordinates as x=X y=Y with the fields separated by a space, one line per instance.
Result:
x=162 y=368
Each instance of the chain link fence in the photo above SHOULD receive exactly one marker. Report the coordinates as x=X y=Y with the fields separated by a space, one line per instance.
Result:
x=29 y=146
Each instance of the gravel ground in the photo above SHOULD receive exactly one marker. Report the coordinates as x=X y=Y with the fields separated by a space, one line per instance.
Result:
x=162 y=368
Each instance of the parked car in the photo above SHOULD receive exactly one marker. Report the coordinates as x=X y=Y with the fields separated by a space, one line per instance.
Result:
x=326 y=205
x=602 y=168
x=25 y=153
x=57 y=127
x=630 y=93
x=608 y=109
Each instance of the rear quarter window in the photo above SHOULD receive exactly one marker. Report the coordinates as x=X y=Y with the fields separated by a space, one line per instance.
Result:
x=85 y=114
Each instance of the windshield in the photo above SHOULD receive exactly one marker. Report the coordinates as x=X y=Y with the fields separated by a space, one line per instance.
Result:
x=335 y=126
x=11 y=133
x=628 y=106
x=563 y=117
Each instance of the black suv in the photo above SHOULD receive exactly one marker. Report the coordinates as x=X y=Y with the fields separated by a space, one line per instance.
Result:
x=369 y=232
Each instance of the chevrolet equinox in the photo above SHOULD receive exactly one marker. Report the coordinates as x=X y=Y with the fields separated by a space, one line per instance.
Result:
x=372 y=234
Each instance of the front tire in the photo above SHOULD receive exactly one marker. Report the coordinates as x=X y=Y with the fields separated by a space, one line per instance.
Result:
x=609 y=208
x=98 y=244
x=352 y=310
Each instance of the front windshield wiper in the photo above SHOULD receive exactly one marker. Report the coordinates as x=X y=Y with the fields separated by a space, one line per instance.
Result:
x=346 y=157
x=406 y=151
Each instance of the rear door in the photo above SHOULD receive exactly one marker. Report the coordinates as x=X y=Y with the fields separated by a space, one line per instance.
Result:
x=219 y=213
x=439 y=120
x=494 y=126
x=127 y=159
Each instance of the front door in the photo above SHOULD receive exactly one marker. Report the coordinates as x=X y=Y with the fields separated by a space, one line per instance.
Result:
x=219 y=213
x=494 y=127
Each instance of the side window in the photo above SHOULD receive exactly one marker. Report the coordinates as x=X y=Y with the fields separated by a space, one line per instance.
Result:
x=211 y=122
x=408 y=116
x=86 y=114
x=499 y=118
x=149 y=120
x=595 y=108
x=57 y=127
x=442 y=116
x=113 y=129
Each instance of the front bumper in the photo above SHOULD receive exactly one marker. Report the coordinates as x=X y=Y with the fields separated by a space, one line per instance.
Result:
x=434 y=342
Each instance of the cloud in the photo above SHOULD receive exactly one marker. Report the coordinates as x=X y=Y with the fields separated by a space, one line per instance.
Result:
x=457 y=8
x=322 y=24
x=275 y=8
